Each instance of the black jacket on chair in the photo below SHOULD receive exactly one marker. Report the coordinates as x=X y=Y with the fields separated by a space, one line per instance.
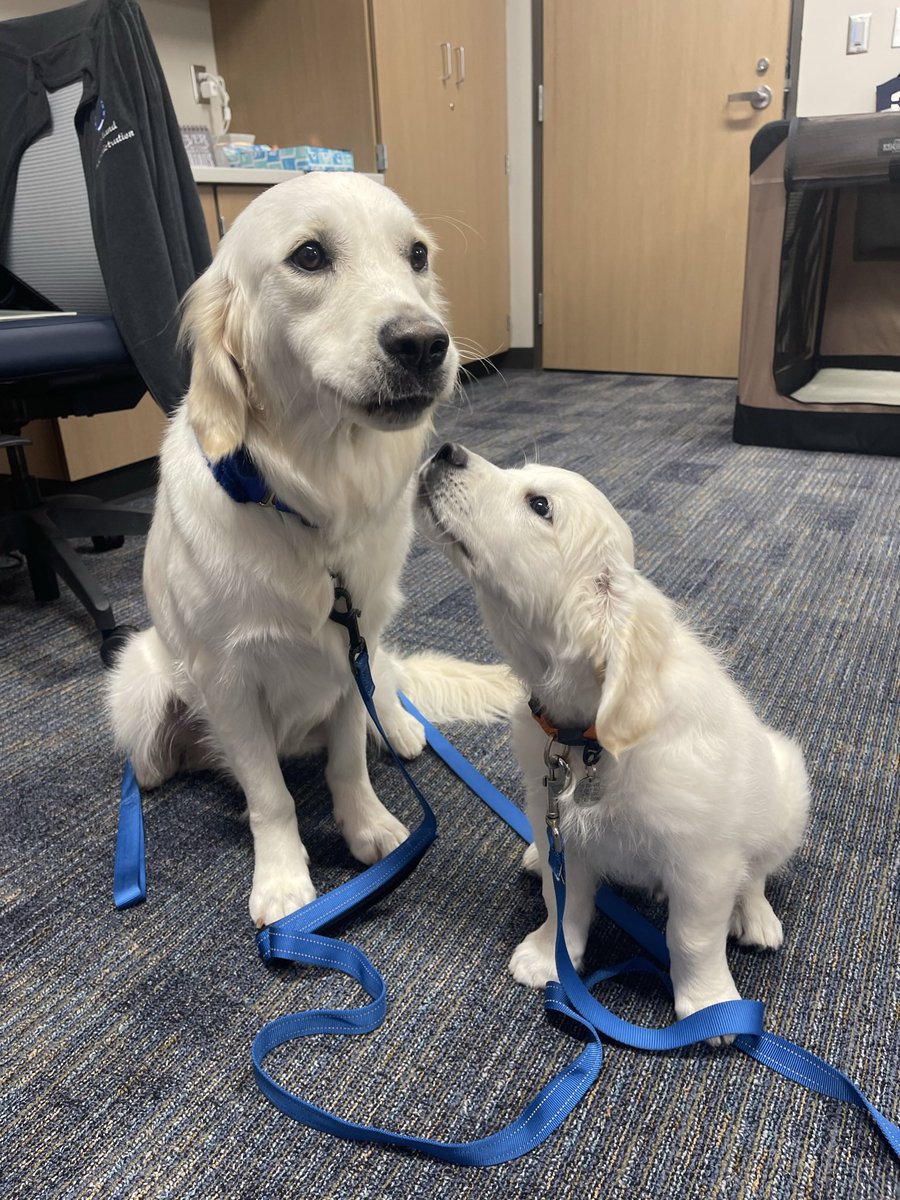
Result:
x=146 y=217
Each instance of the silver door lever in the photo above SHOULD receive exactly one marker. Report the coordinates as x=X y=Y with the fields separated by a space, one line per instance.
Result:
x=760 y=97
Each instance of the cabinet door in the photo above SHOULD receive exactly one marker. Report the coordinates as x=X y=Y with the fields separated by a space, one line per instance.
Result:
x=445 y=133
x=233 y=198
x=207 y=194
x=299 y=72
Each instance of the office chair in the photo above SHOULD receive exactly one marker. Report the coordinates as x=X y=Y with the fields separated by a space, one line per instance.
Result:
x=59 y=366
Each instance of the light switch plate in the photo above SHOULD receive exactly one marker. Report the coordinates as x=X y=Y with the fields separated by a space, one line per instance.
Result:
x=895 y=39
x=858 y=33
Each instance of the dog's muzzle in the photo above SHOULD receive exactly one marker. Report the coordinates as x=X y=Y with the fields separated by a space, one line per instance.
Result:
x=450 y=455
x=415 y=353
x=417 y=347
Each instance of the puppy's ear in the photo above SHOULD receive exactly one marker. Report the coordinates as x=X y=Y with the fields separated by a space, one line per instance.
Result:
x=635 y=636
x=218 y=399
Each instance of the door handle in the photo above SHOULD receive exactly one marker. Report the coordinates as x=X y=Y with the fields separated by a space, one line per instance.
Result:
x=460 y=64
x=760 y=97
x=447 y=54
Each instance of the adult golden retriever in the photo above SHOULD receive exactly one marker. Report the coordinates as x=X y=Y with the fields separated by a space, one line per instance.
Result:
x=319 y=353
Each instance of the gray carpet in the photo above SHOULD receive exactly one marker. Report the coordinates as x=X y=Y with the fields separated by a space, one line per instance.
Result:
x=124 y=1063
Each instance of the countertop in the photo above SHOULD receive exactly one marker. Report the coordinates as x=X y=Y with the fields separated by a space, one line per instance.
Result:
x=257 y=175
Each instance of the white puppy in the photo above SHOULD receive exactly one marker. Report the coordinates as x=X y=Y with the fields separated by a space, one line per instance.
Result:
x=319 y=351
x=693 y=795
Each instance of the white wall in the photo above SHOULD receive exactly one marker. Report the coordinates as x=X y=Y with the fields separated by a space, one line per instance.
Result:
x=830 y=81
x=182 y=33
x=521 y=184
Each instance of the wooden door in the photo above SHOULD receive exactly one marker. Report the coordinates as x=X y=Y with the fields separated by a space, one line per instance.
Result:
x=646 y=167
x=445 y=133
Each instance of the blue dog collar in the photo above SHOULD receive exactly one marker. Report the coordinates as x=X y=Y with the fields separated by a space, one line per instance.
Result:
x=242 y=480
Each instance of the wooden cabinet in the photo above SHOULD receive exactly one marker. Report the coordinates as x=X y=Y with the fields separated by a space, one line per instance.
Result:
x=72 y=448
x=299 y=72
x=425 y=79
x=441 y=72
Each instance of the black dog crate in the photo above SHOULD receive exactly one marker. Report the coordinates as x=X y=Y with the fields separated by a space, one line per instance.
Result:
x=820 y=335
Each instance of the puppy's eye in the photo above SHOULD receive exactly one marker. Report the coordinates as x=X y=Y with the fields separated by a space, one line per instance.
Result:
x=541 y=506
x=310 y=256
x=418 y=256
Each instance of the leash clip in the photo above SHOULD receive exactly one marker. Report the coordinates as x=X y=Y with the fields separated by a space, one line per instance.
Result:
x=557 y=780
x=348 y=618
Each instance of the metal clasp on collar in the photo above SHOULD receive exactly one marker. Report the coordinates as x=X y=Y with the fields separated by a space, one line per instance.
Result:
x=557 y=780
x=347 y=616
x=268 y=501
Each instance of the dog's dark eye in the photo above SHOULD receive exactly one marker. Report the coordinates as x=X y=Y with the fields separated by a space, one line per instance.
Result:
x=541 y=506
x=310 y=256
x=418 y=256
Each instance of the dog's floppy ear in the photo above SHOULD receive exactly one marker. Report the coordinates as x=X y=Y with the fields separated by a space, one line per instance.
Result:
x=218 y=399
x=635 y=634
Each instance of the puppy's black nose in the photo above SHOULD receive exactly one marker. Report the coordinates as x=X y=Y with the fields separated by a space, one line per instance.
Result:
x=453 y=455
x=420 y=346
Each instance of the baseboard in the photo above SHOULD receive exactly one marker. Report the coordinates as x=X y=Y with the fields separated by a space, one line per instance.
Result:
x=517 y=358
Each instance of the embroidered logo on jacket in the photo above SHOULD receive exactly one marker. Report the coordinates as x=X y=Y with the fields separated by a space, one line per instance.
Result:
x=106 y=131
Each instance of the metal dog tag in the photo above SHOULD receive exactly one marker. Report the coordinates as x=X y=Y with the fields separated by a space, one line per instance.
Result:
x=586 y=791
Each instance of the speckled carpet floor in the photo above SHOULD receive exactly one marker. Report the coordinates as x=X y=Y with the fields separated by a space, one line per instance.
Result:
x=124 y=1051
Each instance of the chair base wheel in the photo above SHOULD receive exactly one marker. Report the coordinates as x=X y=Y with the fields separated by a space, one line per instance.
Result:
x=114 y=641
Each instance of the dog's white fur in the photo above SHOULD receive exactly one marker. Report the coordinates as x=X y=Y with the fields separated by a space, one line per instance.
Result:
x=242 y=664
x=694 y=795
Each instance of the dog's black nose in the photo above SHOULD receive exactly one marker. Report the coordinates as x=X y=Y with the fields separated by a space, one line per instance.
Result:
x=453 y=455
x=420 y=346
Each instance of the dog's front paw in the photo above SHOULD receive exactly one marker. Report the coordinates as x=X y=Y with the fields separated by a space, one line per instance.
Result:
x=754 y=923
x=278 y=890
x=373 y=837
x=691 y=1002
x=533 y=961
x=404 y=732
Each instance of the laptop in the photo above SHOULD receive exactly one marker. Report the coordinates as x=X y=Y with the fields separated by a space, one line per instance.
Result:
x=18 y=300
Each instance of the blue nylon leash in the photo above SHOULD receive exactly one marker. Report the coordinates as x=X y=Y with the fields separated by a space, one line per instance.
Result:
x=130 y=873
x=298 y=938
x=571 y=997
x=780 y=1055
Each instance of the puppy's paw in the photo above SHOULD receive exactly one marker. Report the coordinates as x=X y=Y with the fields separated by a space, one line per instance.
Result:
x=374 y=835
x=533 y=961
x=279 y=890
x=691 y=1002
x=531 y=860
x=405 y=733
x=754 y=923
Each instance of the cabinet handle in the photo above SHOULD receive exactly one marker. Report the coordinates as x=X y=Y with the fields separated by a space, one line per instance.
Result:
x=460 y=64
x=446 y=52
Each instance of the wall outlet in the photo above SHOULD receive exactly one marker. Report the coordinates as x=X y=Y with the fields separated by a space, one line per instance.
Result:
x=895 y=37
x=858 y=33
x=196 y=72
